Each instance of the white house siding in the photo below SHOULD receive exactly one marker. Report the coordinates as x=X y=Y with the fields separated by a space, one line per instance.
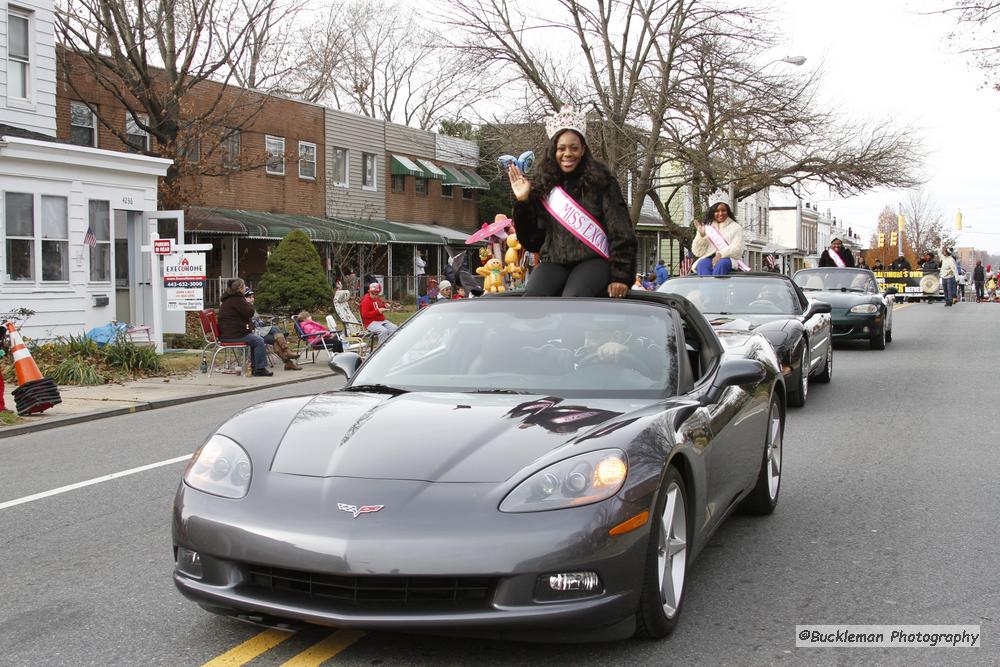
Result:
x=456 y=151
x=80 y=174
x=38 y=113
x=358 y=134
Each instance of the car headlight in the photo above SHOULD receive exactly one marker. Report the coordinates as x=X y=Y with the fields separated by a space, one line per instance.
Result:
x=865 y=308
x=220 y=467
x=580 y=480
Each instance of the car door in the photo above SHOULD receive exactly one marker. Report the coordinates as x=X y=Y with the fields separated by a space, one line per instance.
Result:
x=817 y=329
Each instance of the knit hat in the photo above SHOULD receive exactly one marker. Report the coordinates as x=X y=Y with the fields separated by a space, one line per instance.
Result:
x=567 y=119
x=375 y=287
x=445 y=284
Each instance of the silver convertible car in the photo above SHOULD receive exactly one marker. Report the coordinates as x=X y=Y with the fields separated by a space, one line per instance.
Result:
x=544 y=469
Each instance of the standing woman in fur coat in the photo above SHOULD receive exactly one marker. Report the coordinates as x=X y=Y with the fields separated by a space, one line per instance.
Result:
x=572 y=212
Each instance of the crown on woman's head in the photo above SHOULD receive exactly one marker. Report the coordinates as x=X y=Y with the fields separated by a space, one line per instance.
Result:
x=568 y=118
x=719 y=197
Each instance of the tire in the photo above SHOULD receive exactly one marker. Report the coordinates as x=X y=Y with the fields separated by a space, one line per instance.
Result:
x=665 y=577
x=877 y=341
x=797 y=397
x=888 y=336
x=826 y=374
x=764 y=497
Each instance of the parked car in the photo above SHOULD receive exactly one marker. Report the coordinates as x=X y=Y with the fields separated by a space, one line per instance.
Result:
x=542 y=468
x=860 y=311
x=773 y=306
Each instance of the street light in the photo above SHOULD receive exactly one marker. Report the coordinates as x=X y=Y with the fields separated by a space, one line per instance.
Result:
x=792 y=60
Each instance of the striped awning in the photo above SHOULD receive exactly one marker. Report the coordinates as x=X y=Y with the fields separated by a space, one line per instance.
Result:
x=276 y=226
x=454 y=176
x=433 y=171
x=404 y=166
x=476 y=181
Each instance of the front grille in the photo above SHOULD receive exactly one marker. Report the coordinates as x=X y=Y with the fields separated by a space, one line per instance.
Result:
x=374 y=592
x=841 y=330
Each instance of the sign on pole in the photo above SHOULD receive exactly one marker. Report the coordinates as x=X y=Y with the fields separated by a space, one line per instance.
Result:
x=163 y=246
x=184 y=281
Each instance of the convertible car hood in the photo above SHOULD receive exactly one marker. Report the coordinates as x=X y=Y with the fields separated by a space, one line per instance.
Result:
x=435 y=437
x=749 y=322
x=839 y=299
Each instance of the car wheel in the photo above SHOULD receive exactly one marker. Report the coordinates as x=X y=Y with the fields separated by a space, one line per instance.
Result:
x=764 y=497
x=888 y=335
x=877 y=341
x=797 y=397
x=666 y=562
x=826 y=374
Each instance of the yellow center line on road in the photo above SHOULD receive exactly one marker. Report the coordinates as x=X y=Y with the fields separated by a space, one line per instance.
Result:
x=250 y=649
x=319 y=653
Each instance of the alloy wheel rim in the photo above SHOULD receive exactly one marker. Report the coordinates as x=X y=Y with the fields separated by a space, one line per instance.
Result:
x=672 y=550
x=804 y=372
x=829 y=361
x=774 y=453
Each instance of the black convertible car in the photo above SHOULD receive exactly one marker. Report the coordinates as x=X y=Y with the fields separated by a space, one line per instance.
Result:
x=860 y=310
x=773 y=306
x=512 y=466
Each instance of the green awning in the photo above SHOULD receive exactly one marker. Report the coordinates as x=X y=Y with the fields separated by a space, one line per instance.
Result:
x=454 y=176
x=275 y=226
x=476 y=181
x=404 y=166
x=451 y=236
x=399 y=232
x=433 y=171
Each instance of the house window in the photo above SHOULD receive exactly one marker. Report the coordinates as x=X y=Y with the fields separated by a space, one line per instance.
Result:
x=420 y=185
x=467 y=193
x=275 y=147
x=231 y=150
x=18 y=56
x=398 y=183
x=99 y=222
x=82 y=125
x=341 y=164
x=368 y=172
x=192 y=150
x=138 y=138
x=446 y=191
x=19 y=214
x=307 y=160
x=55 y=238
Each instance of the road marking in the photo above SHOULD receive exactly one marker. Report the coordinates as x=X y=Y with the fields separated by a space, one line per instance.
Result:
x=319 y=653
x=250 y=649
x=90 y=482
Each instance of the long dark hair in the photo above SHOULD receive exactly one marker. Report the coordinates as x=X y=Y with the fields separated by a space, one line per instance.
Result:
x=709 y=216
x=589 y=175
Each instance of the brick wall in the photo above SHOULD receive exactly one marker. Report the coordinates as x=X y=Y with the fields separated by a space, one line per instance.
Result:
x=432 y=208
x=251 y=188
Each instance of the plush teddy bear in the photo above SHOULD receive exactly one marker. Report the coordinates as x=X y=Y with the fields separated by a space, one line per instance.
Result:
x=492 y=273
x=513 y=259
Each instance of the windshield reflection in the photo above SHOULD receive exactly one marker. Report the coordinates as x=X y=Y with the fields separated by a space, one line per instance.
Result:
x=737 y=296
x=563 y=347
x=832 y=279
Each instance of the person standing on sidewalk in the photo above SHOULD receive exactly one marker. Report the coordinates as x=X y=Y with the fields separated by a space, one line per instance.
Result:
x=979 y=279
x=949 y=276
x=236 y=325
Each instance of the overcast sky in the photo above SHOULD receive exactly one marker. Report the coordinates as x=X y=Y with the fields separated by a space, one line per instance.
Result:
x=883 y=59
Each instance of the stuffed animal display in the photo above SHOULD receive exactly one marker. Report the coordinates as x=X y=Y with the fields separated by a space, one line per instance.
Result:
x=513 y=259
x=492 y=273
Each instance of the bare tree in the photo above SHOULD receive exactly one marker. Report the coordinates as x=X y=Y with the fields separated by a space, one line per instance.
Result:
x=925 y=228
x=158 y=59
x=975 y=35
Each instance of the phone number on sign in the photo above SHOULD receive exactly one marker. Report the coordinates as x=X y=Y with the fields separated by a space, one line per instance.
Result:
x=183 y=283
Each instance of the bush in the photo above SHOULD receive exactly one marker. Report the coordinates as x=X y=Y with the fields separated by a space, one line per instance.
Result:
x=131 y=358
x=295 y=279
x=78 y=360
x=75 y=370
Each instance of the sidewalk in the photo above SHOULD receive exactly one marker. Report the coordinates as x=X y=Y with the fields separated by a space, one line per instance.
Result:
x=85 y=403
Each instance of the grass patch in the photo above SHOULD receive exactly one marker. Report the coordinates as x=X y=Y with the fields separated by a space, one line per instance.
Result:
x=176 y=363
x=8 y=418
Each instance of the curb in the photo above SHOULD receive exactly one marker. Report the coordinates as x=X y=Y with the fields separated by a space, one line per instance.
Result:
x=11 y=431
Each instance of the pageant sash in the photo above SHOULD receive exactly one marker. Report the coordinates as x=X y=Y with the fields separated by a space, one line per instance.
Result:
x=836 y=258
x=721 y=244
x=576 y=220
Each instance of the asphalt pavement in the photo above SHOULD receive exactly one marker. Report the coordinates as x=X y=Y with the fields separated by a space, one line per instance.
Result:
x=887 y=516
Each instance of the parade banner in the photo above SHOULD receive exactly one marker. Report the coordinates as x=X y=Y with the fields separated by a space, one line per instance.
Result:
x=184 y=281
x=907 y=282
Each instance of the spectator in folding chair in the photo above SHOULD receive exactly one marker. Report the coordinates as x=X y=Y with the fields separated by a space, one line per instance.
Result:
x=316 y=335
x=272 y=336
x=373 y=314
x=235 y=325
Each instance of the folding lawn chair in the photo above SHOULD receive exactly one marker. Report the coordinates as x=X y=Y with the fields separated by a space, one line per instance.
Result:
x=356 y=337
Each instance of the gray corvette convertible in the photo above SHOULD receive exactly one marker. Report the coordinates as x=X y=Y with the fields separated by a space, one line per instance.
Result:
x=544 y=469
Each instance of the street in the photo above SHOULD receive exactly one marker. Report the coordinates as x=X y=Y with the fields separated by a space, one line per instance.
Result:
x=887 y=515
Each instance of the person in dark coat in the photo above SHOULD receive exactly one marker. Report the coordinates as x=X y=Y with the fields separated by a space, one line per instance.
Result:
x=900 y=264
x=569 y=265
x=979 y=280
x=236 y=325
x=837 y=246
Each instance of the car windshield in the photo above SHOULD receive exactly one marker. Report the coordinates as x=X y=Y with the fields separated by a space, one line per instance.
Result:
x=737 y=296
x=832 y=279
x=569 y=347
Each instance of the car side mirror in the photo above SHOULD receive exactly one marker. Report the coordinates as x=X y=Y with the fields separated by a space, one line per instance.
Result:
x=817 y=307
x=891 y=290
x=732 y=373
x=345 y=363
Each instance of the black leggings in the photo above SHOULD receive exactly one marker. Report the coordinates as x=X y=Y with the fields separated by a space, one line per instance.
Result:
x=587 y=278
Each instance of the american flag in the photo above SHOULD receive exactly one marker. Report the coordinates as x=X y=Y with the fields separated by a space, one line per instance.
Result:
x=771 y=260
x=686 y=263
x=89 y=237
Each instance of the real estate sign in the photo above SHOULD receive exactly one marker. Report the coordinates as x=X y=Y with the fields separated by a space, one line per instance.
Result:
x=184 y=281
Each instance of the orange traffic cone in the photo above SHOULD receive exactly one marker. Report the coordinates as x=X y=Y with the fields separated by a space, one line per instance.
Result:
x=34 y=393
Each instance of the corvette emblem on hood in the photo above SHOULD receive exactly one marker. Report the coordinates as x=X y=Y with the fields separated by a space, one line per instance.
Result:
x=357 y=511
